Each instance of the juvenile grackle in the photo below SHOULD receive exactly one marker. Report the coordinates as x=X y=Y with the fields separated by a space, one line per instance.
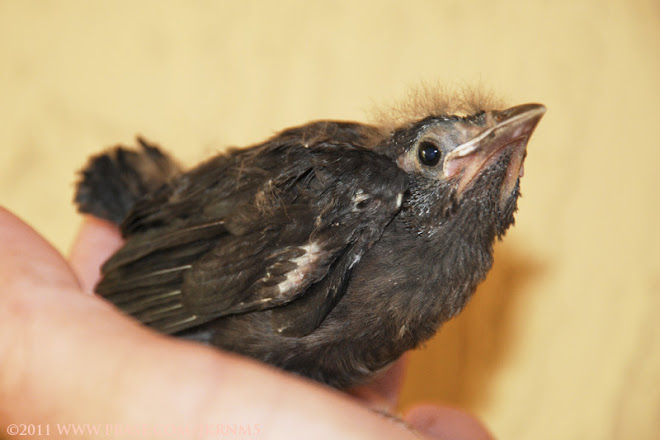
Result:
x=329 y=249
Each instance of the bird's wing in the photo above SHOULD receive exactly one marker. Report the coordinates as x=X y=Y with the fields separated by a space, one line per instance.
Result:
x=278 y=224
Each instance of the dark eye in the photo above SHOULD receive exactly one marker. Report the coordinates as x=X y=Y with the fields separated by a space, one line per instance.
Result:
x=429 y=154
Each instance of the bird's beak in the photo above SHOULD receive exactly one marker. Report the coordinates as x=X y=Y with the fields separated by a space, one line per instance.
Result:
x=506 y=130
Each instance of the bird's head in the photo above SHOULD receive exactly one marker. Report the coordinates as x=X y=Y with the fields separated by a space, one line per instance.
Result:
x=465 y=167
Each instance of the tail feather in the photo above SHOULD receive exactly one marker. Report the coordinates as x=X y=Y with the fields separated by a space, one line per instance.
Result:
x=114 y=180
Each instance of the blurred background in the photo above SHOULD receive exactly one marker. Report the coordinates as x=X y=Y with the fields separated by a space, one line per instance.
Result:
x=563 y=339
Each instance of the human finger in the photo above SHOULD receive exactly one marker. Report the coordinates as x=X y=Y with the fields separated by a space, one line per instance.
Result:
x=446 y=423
x=96 y=241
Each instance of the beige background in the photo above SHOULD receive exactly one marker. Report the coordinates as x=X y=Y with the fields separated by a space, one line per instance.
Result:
x=563 y=339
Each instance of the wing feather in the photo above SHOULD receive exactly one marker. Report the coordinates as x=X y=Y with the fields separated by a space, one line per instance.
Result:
x=277 y=226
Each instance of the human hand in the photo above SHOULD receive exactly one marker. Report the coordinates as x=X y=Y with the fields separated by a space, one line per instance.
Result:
x=68 y=358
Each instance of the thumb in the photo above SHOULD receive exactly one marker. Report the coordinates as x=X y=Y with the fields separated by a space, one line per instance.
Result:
x=28 y=259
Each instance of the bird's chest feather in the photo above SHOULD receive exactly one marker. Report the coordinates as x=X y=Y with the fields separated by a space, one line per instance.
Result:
x=406 y=286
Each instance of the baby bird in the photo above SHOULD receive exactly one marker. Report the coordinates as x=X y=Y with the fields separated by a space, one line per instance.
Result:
x=328 y=250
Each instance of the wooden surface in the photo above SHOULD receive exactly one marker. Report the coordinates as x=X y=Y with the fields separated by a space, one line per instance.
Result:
x=563 y=339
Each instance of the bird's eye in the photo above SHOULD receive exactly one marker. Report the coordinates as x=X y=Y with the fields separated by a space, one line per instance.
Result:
x=429 y=154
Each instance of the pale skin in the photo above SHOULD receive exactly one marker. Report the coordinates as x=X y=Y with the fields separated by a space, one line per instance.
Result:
x=67 y=356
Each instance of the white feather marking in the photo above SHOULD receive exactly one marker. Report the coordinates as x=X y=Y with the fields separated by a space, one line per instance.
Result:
x=159 y=298
x=170 y=308
x=191 y=318
x=360 y=196
x=172 y=269
x=305 y=267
